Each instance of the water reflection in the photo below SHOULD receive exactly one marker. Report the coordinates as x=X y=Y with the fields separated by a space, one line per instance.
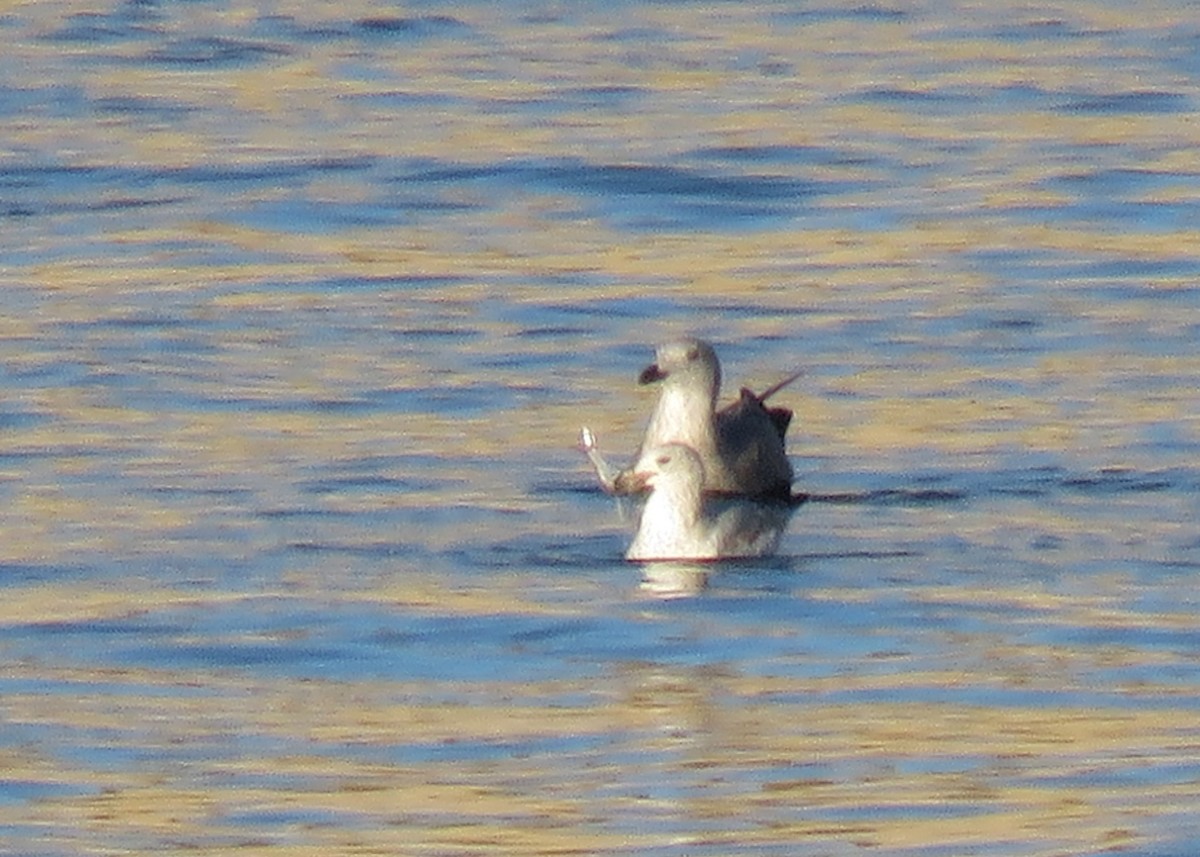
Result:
x=303 y=311
x=675 y=579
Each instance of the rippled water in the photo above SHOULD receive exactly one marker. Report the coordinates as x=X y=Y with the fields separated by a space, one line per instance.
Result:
x=304 y=305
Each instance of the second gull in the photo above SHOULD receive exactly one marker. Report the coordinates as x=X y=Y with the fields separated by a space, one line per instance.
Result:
x=680 y=521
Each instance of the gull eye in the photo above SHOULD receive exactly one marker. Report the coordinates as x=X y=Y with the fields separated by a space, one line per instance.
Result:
x=693 y=353
x=663 y=460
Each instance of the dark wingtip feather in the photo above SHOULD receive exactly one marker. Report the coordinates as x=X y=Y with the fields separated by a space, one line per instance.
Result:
x=781 y=418
x=772 y=390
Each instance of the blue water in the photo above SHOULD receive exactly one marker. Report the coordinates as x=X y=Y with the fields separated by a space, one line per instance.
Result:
x=304 y=308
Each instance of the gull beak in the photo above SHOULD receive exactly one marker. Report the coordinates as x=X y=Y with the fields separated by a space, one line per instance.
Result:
x=651 y=374
x=631 y=482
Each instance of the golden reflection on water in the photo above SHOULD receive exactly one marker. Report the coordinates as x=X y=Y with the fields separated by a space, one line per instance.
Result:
x=135 y=460
x=926 y=773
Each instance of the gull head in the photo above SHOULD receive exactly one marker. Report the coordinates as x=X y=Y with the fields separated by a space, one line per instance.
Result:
x=689 y=363
x=671 y=467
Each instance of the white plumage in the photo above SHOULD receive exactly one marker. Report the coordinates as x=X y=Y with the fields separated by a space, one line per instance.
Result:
x=719 y=482
x=741 y=446
x=680 y=521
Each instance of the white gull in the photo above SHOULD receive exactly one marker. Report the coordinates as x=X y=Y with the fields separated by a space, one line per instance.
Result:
x=679 y=521
x=741 y=446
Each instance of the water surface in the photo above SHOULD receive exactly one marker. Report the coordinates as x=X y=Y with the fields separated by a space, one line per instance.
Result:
x=304 y=308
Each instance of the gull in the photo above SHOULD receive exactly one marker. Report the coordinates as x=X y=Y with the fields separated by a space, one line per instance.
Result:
x=741 y=446
x=680 y=521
